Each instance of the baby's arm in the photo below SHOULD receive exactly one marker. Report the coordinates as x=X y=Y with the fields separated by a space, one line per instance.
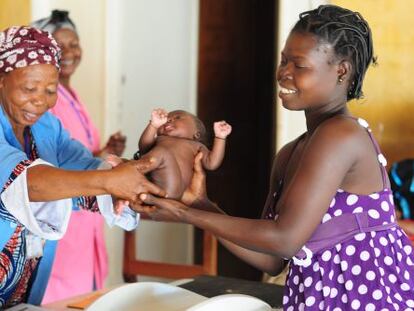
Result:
x=213 y=159
x=147 y=139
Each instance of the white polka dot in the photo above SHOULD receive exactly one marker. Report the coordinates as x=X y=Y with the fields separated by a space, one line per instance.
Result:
x=355 y=304
x=359 y=209
x=322 y=305
x=405 y=286
x=326 y=291
x=326 y=217
x=392 y=278
x=337 y=309
x=301 y=288
x=382 y=159
x=285 y=299
x=290 y=308
x=406 y=275
x=334 y=292
x=316 y=266
x=338 y=247
x=392 y=218
x=374 y=214
x=360 y=236
x=396 y=306
x=337 y=259
x=341 y=279
x=310 y=301
x=377 y=252
x=338 y=212
x=349 y=285
x=391 y=238
x=344 y=298
x=373 y=234
x=364 y=255
x=350 y=250
x=370 y=307
x=377 y=295
x=374 y=196
x=308 y=281
x=376 y=262
x=331 y=274
x=410 y=303
x=383 y=241
x=371 y=242
x=398 y=296
x=388 y=260
x=362 y=289
x=370 y=275
x=356 y=270
x=332 y=203
x=344 y=265
x=398 y=269
x=318 y=286
x=399 y=256
x=385 y=206
x=301 y=306
x=391 y=199
x=388 y=289
x=296 y=280
x=351 y=199
x=408 y=249
x=326 y=256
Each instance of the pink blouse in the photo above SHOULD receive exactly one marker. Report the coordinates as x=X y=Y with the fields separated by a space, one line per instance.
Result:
x=81 y=261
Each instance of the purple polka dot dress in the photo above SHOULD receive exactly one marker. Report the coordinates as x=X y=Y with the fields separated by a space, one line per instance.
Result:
x=368 y=271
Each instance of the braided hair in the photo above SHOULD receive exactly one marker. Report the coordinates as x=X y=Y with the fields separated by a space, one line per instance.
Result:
x=348 y=33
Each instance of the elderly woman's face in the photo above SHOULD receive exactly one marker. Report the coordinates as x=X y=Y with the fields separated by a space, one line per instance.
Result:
x=71 y=51
x=27 y=93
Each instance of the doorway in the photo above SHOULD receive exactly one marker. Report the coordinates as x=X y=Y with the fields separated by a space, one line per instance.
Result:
x=236 y=73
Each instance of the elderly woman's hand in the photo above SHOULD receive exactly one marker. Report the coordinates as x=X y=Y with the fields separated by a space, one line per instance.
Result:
x=127 y=180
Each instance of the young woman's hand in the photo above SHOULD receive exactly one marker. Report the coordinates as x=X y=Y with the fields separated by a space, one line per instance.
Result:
x=196 y=191
x=160 y=209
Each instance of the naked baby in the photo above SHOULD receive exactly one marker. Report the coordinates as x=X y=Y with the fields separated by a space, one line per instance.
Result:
x=173 y=140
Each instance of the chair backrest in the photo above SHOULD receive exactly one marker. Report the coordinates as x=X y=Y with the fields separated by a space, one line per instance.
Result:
x=133 y=266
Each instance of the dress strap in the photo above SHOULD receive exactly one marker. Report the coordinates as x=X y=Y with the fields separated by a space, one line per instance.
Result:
x=380 y=156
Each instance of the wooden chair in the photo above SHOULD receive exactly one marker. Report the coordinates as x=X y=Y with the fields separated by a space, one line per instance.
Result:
x=133 y=266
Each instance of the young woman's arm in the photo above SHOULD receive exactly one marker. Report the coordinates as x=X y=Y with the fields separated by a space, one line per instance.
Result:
x=324 y=164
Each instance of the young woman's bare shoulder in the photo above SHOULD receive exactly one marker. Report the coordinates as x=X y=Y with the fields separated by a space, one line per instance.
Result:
x=339 y=130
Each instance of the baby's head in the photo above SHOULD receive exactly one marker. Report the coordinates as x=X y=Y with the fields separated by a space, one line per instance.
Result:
x=348 y=34
x=183 y=124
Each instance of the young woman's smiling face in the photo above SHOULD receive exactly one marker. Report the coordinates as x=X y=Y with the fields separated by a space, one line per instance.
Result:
x=27 y=93
x=308 y=74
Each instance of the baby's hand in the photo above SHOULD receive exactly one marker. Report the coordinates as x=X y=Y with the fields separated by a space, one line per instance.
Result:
x=159 y=117
x=222 y=129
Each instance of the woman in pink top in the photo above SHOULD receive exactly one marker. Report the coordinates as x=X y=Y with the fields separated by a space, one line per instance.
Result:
x=81 y=262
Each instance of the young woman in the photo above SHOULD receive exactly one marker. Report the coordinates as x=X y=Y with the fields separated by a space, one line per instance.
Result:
x=330 y=211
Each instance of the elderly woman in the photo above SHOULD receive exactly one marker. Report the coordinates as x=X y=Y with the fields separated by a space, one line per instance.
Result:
x=42 y=168
x=81 y=261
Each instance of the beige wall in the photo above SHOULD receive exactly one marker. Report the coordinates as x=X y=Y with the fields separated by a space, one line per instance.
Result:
x=14 y=12
x=389 y=88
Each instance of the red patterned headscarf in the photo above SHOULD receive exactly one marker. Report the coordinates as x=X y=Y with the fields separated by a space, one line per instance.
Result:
x=22 y=46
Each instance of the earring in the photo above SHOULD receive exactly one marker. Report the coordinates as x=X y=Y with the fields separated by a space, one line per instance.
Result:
x=340 y=80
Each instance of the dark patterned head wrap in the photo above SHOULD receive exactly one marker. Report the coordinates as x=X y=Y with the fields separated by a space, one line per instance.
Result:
x=22 y=46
